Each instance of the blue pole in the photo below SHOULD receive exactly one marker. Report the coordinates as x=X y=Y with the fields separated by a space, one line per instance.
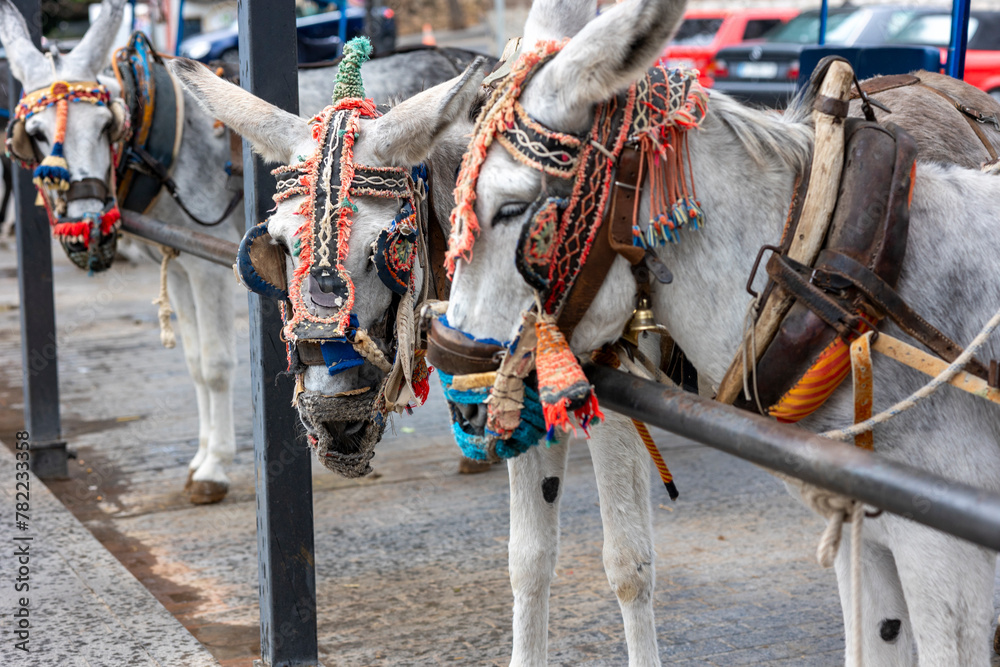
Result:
x=824 y=10
x=343 y=24
x=959 y=38
x=180 y=29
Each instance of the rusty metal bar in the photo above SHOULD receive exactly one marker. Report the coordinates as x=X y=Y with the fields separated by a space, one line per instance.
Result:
x=195 y=243
x=951 y=507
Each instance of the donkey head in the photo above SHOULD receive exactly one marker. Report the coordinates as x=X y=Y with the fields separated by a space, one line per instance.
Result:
x=600 y=60
x=343 y=374
x=66 y=124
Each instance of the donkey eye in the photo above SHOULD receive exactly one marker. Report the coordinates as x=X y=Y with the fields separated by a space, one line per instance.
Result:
x=509 y=211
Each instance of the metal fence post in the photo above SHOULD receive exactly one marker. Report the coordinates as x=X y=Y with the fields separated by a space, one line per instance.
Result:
x=268 y=69
x=38 y=315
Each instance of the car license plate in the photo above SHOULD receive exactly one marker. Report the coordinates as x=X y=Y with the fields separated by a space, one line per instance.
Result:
x=757 y=70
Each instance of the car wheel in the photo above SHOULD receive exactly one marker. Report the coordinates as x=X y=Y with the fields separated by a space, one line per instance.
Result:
x=231 y=56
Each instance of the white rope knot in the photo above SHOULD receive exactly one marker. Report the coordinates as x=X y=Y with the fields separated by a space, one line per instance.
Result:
x=167 y=337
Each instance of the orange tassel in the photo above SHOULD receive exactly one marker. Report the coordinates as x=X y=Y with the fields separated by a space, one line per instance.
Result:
x=562 y=386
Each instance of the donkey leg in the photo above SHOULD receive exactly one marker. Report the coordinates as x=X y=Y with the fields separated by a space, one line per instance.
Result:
x=182 y=300
x=948 y=584
x=536 y=479
x=887 y=634
x=621 y=464
x=214 y=301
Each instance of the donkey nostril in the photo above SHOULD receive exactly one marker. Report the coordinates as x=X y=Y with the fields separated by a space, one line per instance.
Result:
x=475 y=414
x=351 y=428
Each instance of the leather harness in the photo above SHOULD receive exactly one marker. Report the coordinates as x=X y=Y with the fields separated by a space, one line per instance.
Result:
x=975 y=117
x=156 y=103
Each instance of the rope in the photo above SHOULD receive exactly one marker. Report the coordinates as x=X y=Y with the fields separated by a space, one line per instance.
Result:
x=167 y=337
x=366 y=347
x=654 y=453
x=942 y=379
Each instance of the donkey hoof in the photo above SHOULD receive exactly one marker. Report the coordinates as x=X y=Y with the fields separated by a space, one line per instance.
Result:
x=208 y=492
x=190 y=479
x=467 y=466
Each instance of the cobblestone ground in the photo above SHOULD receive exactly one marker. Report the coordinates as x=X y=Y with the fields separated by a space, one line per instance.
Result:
x=410 y=563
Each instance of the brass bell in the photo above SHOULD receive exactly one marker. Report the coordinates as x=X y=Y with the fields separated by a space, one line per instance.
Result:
x=642 y=320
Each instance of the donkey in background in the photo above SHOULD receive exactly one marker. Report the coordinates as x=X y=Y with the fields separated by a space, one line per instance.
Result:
x=202 y=293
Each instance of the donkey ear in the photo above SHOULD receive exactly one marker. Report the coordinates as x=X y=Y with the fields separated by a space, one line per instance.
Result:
x=604 y=58
x=94 y=50
x=406 y=134
x=555 y=19
x=274 y=133
x=26 y=62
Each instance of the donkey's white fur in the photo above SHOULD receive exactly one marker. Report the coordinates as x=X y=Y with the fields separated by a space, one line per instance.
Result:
x=744 y=166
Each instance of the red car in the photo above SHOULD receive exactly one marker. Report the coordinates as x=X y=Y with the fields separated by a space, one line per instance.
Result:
x=982 y=59
x=704 y=32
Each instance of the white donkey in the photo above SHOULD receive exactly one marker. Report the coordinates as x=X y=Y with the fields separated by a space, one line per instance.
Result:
x=934 y=589
x=201 y=292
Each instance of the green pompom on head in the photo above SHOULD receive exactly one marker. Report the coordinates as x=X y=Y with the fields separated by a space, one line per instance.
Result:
x=349 y=84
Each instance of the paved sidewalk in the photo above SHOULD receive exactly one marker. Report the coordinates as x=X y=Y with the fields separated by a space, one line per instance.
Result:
x=83 y=607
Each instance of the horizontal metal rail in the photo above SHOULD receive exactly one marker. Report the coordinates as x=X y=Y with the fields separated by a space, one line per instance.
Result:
x=951 y=507
x=195 y=243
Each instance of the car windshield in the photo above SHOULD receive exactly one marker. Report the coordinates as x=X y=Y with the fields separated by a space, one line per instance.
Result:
x=804 y=29
x=696 y=32
x=932 y=30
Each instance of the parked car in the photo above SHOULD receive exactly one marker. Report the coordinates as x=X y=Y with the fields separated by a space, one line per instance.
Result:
x=703 y=32
x=318 y=36
x=982 y=59
x=765 y=73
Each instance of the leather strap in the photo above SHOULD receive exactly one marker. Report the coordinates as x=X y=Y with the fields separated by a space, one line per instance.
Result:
x=969 y=114
x=310 y=353
x=160 y=172
x=881 y=84
x=88 y=188
x=887 y=300
x=613 y=239
x=455 y=353
x=788 y=274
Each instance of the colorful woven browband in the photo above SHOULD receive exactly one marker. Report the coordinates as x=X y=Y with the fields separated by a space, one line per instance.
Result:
x=329 y=179
x=654 y=115
x=497 y=115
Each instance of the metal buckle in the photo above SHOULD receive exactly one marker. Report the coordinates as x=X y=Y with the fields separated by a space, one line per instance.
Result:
x=756 y=263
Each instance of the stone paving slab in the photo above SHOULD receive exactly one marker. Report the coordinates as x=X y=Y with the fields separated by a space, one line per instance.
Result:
x=84 y=608
x=410 y=562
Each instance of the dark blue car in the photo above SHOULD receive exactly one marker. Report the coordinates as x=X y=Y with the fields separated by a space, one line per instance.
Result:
x=318 y=36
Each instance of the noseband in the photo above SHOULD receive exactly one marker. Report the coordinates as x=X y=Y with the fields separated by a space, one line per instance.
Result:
x=90 y=240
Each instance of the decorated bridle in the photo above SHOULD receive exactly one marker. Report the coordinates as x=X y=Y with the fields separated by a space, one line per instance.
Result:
x=330 y=180
x=90 y=240
x=647 y=124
